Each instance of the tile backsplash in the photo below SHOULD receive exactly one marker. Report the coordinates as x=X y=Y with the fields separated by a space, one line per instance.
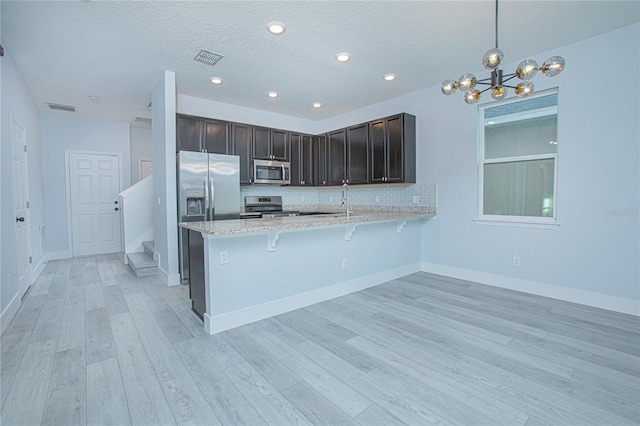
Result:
x=364 y=195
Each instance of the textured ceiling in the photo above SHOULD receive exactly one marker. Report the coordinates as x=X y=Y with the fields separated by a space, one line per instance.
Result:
x=117 y=50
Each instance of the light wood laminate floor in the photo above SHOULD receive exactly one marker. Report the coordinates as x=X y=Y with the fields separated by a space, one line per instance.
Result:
x=92 y=344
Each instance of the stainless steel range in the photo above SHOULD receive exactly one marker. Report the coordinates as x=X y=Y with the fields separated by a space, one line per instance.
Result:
x=267 y=206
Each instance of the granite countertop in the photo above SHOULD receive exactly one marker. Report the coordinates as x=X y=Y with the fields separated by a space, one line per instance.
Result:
x=244 y=226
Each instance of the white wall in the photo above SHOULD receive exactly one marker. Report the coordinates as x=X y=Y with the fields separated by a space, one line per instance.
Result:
x=205 y=108
x=64 y=131
x=141 y=148
x=591 y=257
x=17 y=99
x=165 y=218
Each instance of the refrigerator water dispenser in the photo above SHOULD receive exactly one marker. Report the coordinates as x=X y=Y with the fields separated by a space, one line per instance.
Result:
x=195 y=202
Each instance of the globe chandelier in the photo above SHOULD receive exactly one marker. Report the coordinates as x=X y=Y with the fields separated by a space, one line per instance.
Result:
x=491 y=60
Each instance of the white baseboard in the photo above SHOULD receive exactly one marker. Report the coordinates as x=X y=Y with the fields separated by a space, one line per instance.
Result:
x=10 y=311
x=583 y=297
x=57 y=255
x=35 y=273
x=240 y=317
x=169 y=279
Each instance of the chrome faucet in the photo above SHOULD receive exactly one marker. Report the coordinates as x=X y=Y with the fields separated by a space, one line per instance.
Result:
x=345 y=198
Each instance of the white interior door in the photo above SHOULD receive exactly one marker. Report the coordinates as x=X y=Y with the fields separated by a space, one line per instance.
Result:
x=21 y=204
x=94 y=184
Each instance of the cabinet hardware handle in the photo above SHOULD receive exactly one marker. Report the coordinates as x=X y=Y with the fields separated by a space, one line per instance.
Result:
x=116 y=209
x=115 y=202
x=19 y=219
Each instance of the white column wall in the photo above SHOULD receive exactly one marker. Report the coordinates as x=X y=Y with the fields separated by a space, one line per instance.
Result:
x=165 y=217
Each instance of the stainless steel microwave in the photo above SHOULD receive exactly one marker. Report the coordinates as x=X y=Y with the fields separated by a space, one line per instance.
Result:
x=270 y=171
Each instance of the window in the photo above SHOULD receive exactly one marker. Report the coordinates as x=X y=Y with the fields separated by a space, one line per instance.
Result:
x=518 y=146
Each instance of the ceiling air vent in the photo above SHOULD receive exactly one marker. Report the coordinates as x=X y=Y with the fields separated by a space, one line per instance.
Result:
x=58 y=107
x=145 y=120
x=207 y=57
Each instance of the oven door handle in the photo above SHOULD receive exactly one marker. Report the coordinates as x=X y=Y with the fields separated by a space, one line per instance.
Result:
x=283 y=173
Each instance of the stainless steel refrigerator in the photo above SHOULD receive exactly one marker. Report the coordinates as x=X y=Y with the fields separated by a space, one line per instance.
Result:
x=208 y=189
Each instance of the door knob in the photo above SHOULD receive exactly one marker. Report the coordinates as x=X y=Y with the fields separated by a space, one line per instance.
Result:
x=115 y=202
x=19 y=219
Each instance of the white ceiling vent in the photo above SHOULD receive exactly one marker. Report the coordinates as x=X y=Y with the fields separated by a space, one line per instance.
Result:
x=146 y=120
x=207 y=57
x=58 y=107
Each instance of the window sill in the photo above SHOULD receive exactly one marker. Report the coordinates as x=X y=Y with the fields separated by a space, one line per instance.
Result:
x=517 y=223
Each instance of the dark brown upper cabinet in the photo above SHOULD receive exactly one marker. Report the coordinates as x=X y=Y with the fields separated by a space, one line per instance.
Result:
x=202 y=134
x=336 y=161
x=242 y=146
x=393 y=149
x=302 y=159
x=348 y=155
x=379 y=151
x=357 y=170
x=188 y=133
x=320 y=160
x=216 y=137
x=270 y=144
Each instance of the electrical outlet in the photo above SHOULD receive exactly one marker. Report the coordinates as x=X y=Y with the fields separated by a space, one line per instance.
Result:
x=158 y=201
x=344 y=264
x=224 y=258
x=302 y=198
x=377 y=199
x=331 y=199
x=415 y=199
x=516 y=261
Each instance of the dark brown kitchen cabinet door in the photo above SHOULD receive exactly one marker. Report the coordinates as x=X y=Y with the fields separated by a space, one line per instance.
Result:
x=306 y=155
x=336 y=150
x=242 y=145
x=301 y=159
x=279 y=145
x=295 y=139
x=188 y=133
x=377 y=140
x=216 y=137
x=261 y=142
x=320 y=160
x=394 y=153
x=393 y=149
x=358 y=154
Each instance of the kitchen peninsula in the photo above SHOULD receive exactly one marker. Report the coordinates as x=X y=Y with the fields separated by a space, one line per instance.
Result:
x=257 y=268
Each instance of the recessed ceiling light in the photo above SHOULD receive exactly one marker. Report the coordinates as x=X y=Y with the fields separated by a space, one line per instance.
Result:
x=216 y=80
x=272 y=94
x=343 y=57
x=389 y=77
x=316 y=104
x=276 y=28
x=95 y=99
